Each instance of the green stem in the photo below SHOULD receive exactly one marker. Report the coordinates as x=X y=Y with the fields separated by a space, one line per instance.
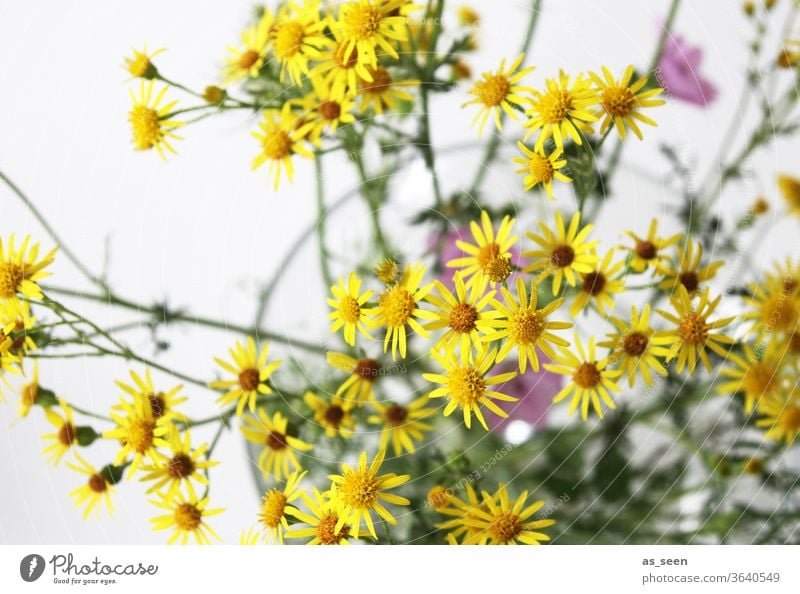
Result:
x=373 y=203
x=321 y=214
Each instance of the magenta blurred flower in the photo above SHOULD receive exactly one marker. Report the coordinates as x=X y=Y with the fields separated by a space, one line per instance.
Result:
x=679 y=73
x=450 y=251
x=535 y=390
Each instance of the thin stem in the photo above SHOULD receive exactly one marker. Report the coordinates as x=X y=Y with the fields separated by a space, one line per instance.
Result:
x=494 y=142
x=373 y=203
x=321 y=214
x=49 y=229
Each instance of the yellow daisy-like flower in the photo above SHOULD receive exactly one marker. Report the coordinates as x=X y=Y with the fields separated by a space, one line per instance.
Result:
x=402 y=424
x=357 y=388
x=381 y=91
x=365 y=26
x=66 y=435
x=95 y=491
x=592 y=380
x=280 y=450
x=17 y=326
x=334 y=415
x=323 y=112
x=790 y=190
x=561 y=111
x=773 y=308
x=563 y=253
x=687 y=269
x=280 y=135
x=466 y=386
x=186 y=517
x=348 y=308
x=297 y=37
x=622 y=101
x=21 y=269
x=246 y=61
x=489 y=259
x=780 y=415
x=501 y=522
x=341 y=74
x=648 y=251
x=636 y=346
x=362 y=490
x=275 y=508
x=183 y=467
x=462 y=315
x=29 y=392
x=524 y=327
x=463 y=512
x=139 y=433
x=499 y=90
x=162 y=404
x=140 y=64
x=326 y=510
x=694 y=332
x=150 y=121
x=387 y=271
x=757 y=375
x=251 y=372
x=398 y=307
x=599 y=286
x=541 y=169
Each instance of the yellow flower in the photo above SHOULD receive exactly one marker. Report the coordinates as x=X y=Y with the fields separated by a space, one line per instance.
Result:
x=17 y=326
x=362 y=490
x=563 y=252
x=780 y=415
x=139 y=432
x=280 y=449
x=181 y=468
x=275 y=507
x=323 y=112
x=501 y=522
x=398 y=307
x=464 y=520
x=98 y=488
x=21 y=269
x=562 y=111
x=250 y=373
x=281 y=134
x=622 y=101
x=214 y=94
x=247 y=60
x=402 y=424
x=327 y=508
x=648 y=251
x=298 y=37
x=382 y=91
x=694 y=332
x=592 y=380
x=365 y=26
x=497 y=91
x=66 y=435
x=489 y=259
x=341 y=74
x=29 y=392
x=541 y=169
x=140 y=65
x=636 y=346
x=348 y=308
x=687 y=270
x=465 y=385
x=333 y=416
x=757 y=375
x=357 y=388
x=467 y=16
x=790 y=190
x=439 y=497
x=525 y=327
x=462 y=315
x=773 y=307
x=599 y=285
x=249 y=537
x=150 y=121
x=186 y=517
x=387 y=271
x=162 y=404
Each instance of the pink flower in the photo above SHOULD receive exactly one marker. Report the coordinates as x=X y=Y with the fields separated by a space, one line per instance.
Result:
x=679 y=73
x=535 y=390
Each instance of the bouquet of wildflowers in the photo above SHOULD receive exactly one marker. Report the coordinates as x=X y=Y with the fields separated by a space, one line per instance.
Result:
x=494 y=385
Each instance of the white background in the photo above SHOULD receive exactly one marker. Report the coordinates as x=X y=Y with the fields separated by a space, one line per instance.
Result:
x=206 y=231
